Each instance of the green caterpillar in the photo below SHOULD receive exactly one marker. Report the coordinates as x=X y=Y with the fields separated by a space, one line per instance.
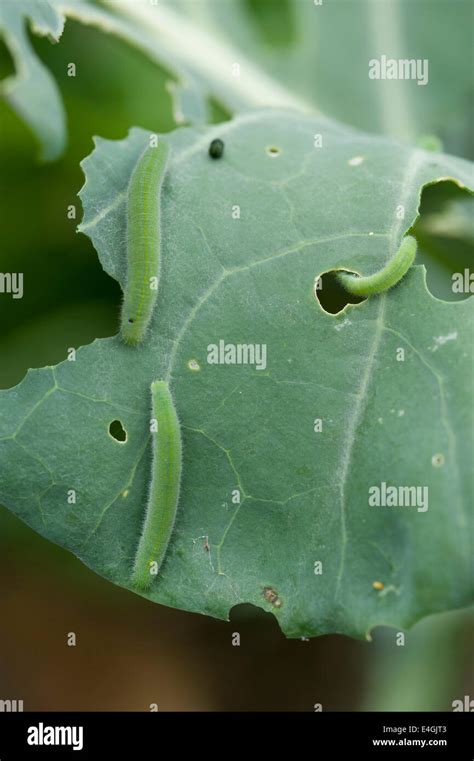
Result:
x=164 y=488
x=388 y=276
x=143 y=242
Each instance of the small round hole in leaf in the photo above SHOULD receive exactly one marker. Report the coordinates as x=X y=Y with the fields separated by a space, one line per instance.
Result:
x=331 y=295
x=273 y=151
x=117 y=431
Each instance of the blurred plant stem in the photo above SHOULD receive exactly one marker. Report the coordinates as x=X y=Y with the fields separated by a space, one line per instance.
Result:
x=426 y=673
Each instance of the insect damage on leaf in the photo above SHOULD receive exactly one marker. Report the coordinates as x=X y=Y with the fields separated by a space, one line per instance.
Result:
x=295 y=439
x=271 y=596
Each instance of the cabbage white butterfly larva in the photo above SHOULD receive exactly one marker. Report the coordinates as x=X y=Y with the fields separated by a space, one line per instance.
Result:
x=143 y=242
x=164 y=487
x=385 y=278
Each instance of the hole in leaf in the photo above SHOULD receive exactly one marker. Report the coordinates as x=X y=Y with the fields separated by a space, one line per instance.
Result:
x=437 y=460
x=117 y=431
x=331 y=295
x=273 y=151
x=445 y=234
